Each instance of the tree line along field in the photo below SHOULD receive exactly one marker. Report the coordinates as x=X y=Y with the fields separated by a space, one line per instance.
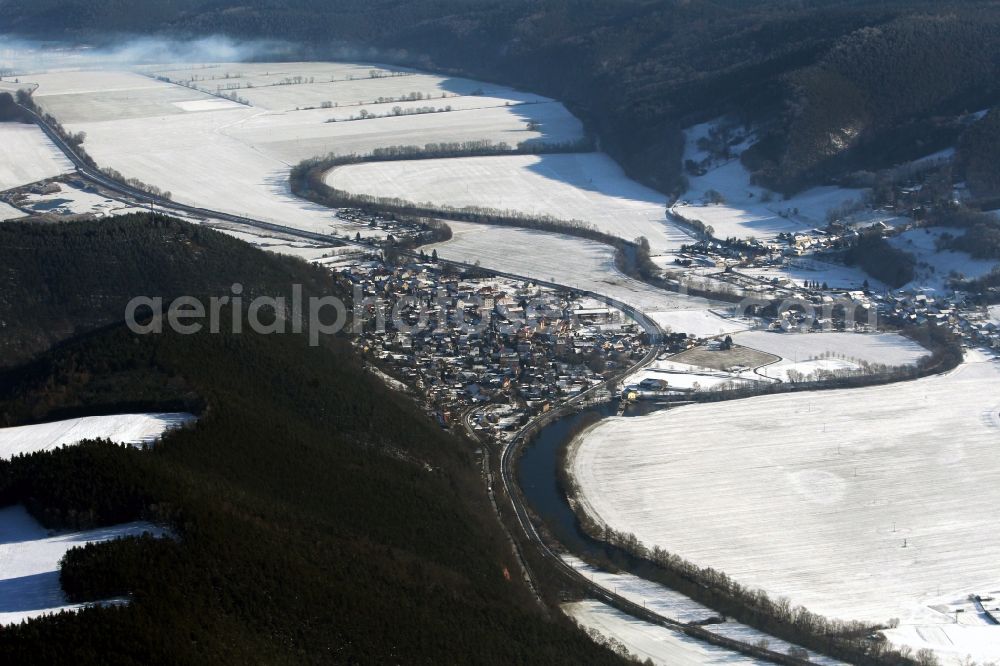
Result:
x=330 y=86
x=868 y=504
x=588 y=188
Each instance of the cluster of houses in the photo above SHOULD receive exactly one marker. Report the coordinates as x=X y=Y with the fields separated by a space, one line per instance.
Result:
x=488 y=351
x=974 y=326
x=950 y=311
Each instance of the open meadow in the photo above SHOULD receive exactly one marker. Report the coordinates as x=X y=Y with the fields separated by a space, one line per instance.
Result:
x=134 y=429
x=26 y=156
x=866 y=504
x=221 y=154
x=29 y=563
x=661 y=646
x=806 y=353
x=589 y=188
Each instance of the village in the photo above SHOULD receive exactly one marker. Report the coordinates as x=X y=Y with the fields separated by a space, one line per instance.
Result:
x=490 y=350
x=489 y=353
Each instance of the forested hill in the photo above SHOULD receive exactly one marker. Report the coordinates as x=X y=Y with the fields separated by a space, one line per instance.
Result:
x=318 y=516
x=66 y=279
x=838 y=85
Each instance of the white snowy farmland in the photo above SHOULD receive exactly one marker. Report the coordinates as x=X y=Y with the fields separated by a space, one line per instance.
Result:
x=75 y=200
x=799 y=270
x=8 y=212
x=834 y=350
x=29 y=563
x=26 y=156
x=589 y=187
x=574 y=262
x=306 y=85
x=661 y=600
x=649 y=641
x=295 y=135
x=699 y=323
x=219 y=154
x=134 y=429
x=98 y=96
x=675 y=606
x=868 y=504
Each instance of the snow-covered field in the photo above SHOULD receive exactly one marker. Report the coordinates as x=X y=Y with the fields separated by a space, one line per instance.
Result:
x=798 y=270
x=806 y=353
x=743 y=219
x=99 y=96
x=661 y=600
x=272 y=86
x=306 y=250
x=675 y=606
x=744 y=212
x=649 y=641
x=866 y=504
x=935 y=267
x=293 y=136
x=232 y=157
x=26 y=156
x=697 y=380
x=575 y=262
x=9 y=212
x=73 y=200
x=29 y=563
x=588 y=187
x=965 y=631
x=135 y=429
x=699 y=323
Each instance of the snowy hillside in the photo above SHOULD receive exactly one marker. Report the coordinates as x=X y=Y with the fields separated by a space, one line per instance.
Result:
x=935 y=267
x=746 y=210
x=134 y=429
x=29 y=563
